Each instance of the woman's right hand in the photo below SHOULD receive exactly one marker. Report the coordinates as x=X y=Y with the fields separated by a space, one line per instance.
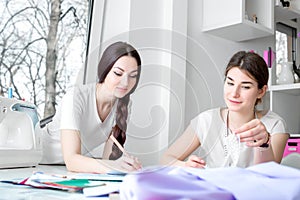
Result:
x=195 y=161
x=128 y=163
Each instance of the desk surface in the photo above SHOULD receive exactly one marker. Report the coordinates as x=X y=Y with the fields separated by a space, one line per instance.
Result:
x=10 y=191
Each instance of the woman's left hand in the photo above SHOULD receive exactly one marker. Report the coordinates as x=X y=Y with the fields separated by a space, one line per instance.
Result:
x=254 y=133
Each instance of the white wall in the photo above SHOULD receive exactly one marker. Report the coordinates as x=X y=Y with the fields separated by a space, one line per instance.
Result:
x=158 y=109
x=110 y=23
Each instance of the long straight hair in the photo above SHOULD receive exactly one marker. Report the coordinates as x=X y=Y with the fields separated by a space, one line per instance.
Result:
x=111 y=54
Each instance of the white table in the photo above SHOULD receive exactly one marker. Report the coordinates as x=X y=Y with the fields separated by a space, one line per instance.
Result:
x=14 y=192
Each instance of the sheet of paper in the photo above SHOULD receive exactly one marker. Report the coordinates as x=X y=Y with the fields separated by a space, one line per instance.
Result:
x=101 y=190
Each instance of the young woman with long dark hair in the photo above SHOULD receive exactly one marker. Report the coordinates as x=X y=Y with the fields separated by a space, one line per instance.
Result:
x=90 y=113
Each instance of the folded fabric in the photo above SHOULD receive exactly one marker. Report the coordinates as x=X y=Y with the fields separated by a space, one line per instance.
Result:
x=263 y=181
x=169 y=183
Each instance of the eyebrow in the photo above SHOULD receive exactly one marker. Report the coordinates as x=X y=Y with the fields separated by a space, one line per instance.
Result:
x=124 y=70
x=243 y=82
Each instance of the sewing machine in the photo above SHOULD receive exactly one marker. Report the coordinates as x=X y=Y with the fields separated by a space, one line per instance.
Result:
x=20 y=144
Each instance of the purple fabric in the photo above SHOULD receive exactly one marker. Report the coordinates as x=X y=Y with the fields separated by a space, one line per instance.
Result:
x=264 y=181
x=169 y=183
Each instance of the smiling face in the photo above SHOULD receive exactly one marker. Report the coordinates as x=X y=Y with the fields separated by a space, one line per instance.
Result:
x=122 y=77
x=241 y=91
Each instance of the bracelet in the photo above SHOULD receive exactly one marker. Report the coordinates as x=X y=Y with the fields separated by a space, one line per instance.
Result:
x=266 y=144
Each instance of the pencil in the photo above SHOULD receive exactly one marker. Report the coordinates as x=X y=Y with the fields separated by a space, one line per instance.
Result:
x=118 y=144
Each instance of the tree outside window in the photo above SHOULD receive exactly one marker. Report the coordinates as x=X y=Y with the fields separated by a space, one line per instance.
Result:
x=43 y=46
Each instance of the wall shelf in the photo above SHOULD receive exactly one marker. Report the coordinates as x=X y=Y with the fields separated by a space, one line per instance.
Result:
x=233 y=21
x=293 y=89
x=286 y=13
x=285 y=99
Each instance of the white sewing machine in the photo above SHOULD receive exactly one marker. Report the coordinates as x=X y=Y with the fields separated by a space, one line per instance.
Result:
x=20 y=145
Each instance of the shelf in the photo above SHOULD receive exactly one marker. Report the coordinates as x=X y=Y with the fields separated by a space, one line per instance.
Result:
x=295 y=135
x=286 y=13
x=232 y=21
x=293 y=89
x=285 y=99
x=243 y=31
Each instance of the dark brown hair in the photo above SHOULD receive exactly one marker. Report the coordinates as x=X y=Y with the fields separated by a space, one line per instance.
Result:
x=253 y=64
x=111 y=54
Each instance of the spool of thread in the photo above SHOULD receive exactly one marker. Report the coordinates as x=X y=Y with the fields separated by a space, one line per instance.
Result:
x=10 y=93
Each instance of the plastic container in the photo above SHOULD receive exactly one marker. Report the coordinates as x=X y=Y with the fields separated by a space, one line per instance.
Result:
x=292 y=145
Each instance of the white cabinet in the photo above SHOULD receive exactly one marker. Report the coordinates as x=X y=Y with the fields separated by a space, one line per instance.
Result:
x=232 y=19
x=285 y=101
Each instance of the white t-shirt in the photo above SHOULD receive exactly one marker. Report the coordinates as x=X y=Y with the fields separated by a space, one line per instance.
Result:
x=77 y=111
x=211 y=129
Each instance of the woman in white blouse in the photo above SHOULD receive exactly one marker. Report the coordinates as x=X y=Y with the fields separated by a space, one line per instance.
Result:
x=238 y=135
x=90 y=113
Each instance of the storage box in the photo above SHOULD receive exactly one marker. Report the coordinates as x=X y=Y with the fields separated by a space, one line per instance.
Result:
x=292 y=145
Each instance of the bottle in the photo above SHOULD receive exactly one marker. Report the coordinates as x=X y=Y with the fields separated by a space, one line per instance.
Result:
x=286 y=75
x=10 y=93
x=296 y=78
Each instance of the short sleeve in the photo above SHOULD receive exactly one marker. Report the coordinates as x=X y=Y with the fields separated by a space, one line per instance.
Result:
x=279 y=127
x=194 y=123
x=274 y=123
x=70 y=112
x=200 y=124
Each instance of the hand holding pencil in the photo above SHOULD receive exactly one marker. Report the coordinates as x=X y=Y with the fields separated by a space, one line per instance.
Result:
x=128 y=162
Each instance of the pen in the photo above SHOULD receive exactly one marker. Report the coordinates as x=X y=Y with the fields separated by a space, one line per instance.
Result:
x=118 y=144
x=122 y=149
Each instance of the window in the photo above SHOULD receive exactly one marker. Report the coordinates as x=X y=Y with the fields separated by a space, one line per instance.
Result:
x=43 y=47
x=286 y=39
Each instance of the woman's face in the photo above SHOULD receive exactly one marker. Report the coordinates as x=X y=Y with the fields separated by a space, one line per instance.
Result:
x=122 y=77
x=241 y=91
